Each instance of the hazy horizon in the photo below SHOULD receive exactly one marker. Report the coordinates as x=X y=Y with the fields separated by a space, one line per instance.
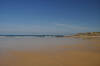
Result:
x=49 y=16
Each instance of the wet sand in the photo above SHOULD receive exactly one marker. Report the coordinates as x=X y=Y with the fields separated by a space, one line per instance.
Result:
x=49 y=52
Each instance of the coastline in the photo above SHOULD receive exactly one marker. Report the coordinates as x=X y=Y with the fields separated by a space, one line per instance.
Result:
x=49 y=52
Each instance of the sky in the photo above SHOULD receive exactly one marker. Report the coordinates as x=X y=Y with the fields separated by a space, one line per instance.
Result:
x=49 y=16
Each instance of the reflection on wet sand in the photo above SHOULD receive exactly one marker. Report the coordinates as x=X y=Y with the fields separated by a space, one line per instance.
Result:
x=50 y=52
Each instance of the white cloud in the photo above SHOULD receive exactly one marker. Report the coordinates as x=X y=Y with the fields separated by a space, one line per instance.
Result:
x=53 y=28
x=73 y=28
x=60 y=24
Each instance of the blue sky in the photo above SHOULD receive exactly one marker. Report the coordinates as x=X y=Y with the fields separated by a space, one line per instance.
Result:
x=49 y=16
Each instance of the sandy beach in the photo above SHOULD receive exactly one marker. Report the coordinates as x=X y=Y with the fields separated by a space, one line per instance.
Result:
x=49 y=32
x=49 y=52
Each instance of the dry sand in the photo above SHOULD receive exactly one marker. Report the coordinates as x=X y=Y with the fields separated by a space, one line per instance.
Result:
x=87 y=53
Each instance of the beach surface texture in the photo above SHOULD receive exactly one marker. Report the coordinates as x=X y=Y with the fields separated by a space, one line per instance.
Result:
x=30 y=51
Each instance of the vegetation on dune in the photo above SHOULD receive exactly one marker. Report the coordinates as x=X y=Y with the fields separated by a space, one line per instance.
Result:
x=88 y=34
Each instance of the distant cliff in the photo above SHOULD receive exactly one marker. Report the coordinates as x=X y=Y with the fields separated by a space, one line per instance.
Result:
x=85 y=35
x=88 y=34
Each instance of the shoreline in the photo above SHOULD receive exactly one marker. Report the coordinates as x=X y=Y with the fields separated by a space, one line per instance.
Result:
x=50 y=52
